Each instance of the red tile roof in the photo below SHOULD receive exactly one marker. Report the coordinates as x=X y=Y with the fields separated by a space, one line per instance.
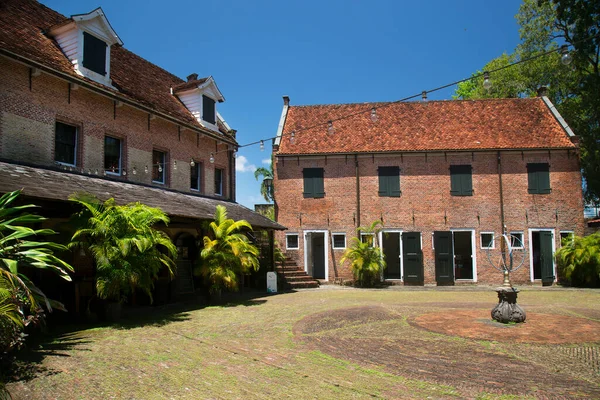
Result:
x=424 y=126
x=23 y=24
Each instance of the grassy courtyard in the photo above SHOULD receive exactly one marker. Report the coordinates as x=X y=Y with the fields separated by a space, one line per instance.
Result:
x=326 y=343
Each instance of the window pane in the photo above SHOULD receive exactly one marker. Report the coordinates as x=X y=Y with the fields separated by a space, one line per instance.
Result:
x=112 y=154
x=339 y=241
x=94 y=53
x=389 y=181
x=158 y=166
x=461 y=180
x=208 y=109
x=367 y=238
x=65 y=143
x=195 y=177
x=487 y=240
x=516 y=239
x=218 y=181
x=313 y=183
x=291 y=241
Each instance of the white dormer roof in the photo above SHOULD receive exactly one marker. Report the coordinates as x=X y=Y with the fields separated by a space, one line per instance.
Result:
x=70 y=38
x=191 y=94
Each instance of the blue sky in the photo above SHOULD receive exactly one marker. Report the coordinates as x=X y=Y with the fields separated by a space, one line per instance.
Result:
x=314 y=51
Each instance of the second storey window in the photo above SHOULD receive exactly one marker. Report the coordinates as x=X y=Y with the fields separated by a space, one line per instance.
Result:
x=389 y=181
x=218 y=182
x=94 y=54
x=112 y=155
x=65 y=144
x=313 y=183
x=461 y=180
x=208 y=109
x=538 y=178
x=159 y=166
x=196 y=177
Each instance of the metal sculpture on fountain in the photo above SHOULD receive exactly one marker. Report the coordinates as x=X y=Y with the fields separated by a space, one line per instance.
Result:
x=509 y=258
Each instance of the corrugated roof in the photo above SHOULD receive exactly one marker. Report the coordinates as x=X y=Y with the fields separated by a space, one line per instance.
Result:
x=58 y=185
x=423 y=126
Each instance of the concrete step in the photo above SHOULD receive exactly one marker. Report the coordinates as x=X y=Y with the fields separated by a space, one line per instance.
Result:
x=299 y=278
x=297 y=272
x=288 y=269
x=304 y=284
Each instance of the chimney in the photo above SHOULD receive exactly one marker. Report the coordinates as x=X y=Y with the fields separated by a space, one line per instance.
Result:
x=286 y=100
x=542 y=91
x=192 y=77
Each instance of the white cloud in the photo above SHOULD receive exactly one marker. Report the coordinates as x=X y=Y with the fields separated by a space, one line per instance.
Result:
x=266 y=161
x=242 y=165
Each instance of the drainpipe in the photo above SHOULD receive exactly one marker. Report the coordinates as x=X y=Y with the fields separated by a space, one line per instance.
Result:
x=503 y=228
x=357 y=191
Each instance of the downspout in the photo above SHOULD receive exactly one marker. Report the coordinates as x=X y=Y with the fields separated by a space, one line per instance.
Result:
x=231 y=175
x=503 y=227
x=357 y=191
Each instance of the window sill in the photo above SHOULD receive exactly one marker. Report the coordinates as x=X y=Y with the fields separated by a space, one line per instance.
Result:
x=158 y=182
x=60 y=163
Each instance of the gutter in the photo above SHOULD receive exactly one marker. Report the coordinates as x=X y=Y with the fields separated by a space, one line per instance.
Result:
x=111 y=95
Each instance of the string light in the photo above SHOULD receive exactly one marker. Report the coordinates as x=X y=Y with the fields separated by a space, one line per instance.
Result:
x=146 y=169
x=262 y=145
x=124 y=172
x=487 y=84
x=192 y=162
x=175 y=165
x=293 y=137
x=134 y=170
x=424 y=95
x=374 y=114
x=330 y=129
x=160 y=168
x=212 y=158
x=235 y=154
x=565 y=56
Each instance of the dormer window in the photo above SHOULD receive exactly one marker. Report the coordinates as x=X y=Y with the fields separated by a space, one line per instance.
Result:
x=208 y=109
x=94 y=53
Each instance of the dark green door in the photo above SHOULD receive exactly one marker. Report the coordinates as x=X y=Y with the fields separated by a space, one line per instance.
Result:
x=444 y=265
x=546 y=259
x=412 y=257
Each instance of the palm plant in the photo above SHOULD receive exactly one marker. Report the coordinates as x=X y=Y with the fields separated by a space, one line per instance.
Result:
x=227 y=253
x=266 y=189
x=17 y=250
x=366 y=259
x=128 y=251
x=579 y=259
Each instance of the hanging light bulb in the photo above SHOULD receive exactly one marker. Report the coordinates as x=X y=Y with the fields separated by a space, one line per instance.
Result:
x=134 y=170
x=175 y=165
x=96 y=171
x=565 y=58
x=146 y=169
x=89 y=171
x=262 y=145
x=293 y=137
x=192 y=162
x=487 y=84
x=424 y=95
x=159 y=168
x=212 y=158
x=124 y=172
x=330 y=129
x=374 y=114
x=235 y=154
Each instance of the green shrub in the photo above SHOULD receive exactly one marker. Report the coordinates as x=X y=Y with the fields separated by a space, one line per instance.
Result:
x=366 y=259
x=579 y=260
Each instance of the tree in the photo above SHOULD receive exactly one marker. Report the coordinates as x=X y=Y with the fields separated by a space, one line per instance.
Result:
x=366 y=259
x=579 y=259
x=227 y=253
x=267 y=191
x=575 y=89
x=128 y=250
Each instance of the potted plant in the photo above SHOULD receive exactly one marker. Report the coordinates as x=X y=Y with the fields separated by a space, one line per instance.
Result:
x=366 y=259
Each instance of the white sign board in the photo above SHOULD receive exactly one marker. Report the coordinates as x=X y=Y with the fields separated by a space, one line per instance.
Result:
x=271 y=282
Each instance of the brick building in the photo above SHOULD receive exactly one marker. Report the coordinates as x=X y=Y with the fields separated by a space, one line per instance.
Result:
x=445 y=177
x=79 y=112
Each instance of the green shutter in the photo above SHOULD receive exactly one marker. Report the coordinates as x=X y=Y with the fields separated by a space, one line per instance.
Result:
x=544 y=179
x=538 y=178
x=461 y=180
x=318 y=183
x=208 y=109
x=389 y=181
x=467 y=181
x=308 y=183
x=313 y=183
x=532 y=179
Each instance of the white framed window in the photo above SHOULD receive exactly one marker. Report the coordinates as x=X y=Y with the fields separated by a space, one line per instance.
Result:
x=338 y=241
x=516 y=240
x=487 y=240
x=159 y=166
x=291 y=241
x=112 y=155
x=564 y=235
x=368 y=238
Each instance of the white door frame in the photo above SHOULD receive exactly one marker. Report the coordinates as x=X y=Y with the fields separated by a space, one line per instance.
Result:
x=473 y=253
x=380 y=238
x=530 y=245
x=326 y=249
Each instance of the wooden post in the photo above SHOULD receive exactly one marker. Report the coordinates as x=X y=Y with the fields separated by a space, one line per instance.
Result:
x=272 y=248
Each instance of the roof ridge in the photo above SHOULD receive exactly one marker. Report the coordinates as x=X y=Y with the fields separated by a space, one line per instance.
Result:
x=381 y=103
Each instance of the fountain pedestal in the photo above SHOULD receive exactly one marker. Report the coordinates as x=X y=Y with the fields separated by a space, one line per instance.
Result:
x=507 y=310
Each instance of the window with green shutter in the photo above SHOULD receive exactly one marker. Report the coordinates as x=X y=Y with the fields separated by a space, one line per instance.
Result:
x=313 y=183
x=389 y=181
x=461 y=180
x=94 y=53
x=538 y=177
x=208 y=109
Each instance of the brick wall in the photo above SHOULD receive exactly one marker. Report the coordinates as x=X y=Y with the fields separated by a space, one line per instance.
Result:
x=426 y=205
x=27 y=124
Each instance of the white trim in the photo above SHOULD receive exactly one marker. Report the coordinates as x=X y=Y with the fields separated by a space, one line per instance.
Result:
x=399 y=232
x=558 y=117
x=530 y=237
x=326 y=249
x=493 y=246
x=297 y=241
x=281 y=125
x=473 y=253
x=333 y=242
x=363 y=234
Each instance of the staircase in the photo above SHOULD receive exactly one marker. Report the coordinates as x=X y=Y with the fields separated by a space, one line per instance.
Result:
x=295 y=277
